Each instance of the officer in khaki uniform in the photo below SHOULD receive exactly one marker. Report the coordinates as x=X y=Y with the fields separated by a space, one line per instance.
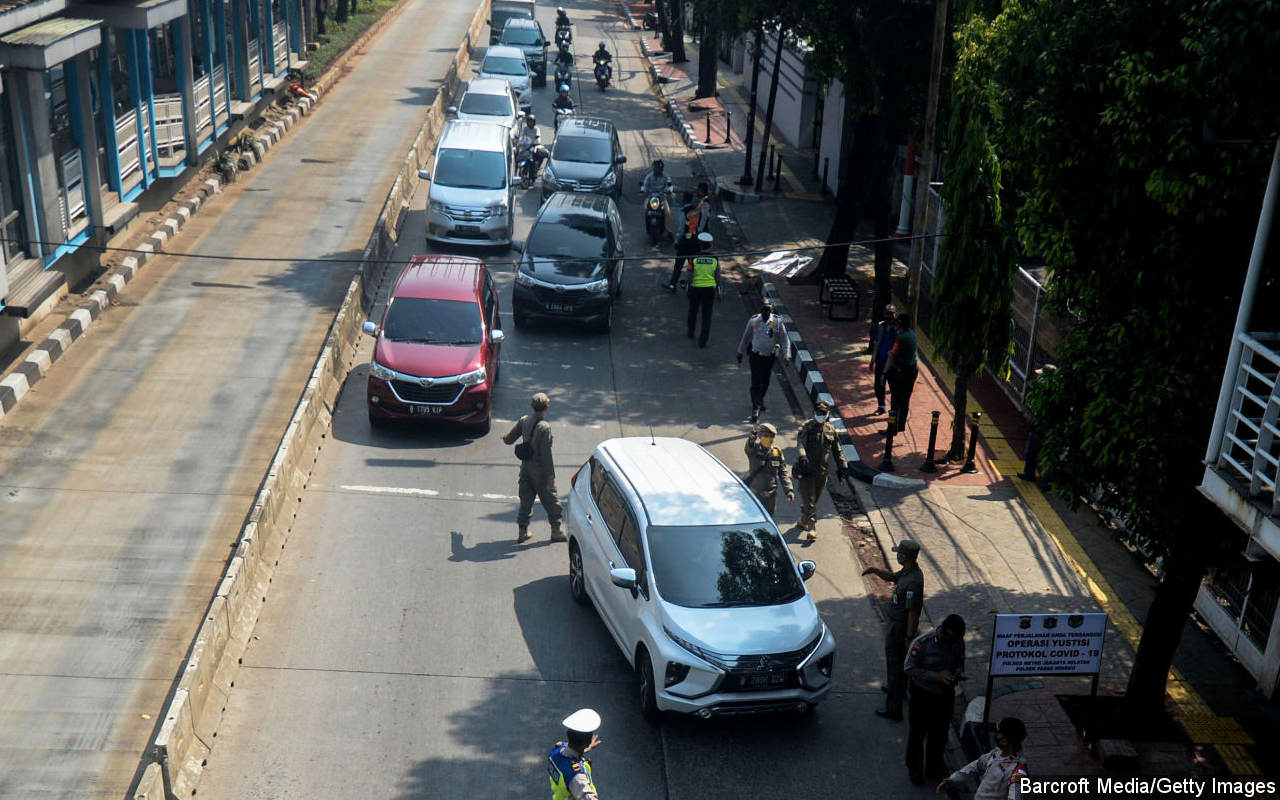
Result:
x=934 y=665
x=818 y=443
x=904 y=617
x=567 y=764
x=538 y=471
x=766 y=468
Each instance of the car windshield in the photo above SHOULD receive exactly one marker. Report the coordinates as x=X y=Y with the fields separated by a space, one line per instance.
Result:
x=576 y=242
x=413 y=319
x=489 y=105
x=470 y=169
x=583 y=149
x=501 y=65
x=711 y=567
x=521 y=36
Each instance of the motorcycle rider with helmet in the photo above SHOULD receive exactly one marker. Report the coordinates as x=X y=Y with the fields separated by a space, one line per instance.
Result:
x=657 y=182
x=563 y=102
x=530 y=138
x=602 y=56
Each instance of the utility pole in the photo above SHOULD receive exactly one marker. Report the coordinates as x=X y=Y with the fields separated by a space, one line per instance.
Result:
x=926 y=173
x=758 y=33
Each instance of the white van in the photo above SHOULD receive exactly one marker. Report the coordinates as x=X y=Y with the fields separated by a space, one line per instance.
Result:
x=470 y=197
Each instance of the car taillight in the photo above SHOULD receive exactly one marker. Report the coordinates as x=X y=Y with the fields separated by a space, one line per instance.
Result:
x=574 y=480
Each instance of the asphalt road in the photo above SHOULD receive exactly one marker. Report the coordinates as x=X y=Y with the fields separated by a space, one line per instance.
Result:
x=410 y=649
x=127 y=472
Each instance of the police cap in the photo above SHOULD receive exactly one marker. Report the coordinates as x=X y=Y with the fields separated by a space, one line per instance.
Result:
x=767 y=429
x=822 y=407
x=706 y=238
x=907 y=547
x=584 y=720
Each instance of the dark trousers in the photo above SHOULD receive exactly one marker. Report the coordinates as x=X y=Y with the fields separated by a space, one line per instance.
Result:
x=701 y=298
x=761 y=372
x=895 y=653
x=929 y=719
x=902 y=384
x=675 y=271
x=530 y=487
x=881 y=381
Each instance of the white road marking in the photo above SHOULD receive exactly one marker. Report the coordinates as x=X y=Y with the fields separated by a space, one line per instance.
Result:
x=402 y=490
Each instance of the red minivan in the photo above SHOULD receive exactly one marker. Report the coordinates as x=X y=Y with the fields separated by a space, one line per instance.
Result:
x=436 y=356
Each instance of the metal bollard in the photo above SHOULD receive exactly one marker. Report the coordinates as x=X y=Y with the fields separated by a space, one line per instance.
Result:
x=769 y=165
x=969 y=465
x=826 y=166
x=708 y=139
x=929 y=464
x=728 y=125
x=886 y=464
x=815 y=163
x=777 y=173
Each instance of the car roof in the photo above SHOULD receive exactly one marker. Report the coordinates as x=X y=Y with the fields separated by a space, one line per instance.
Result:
x=475 y=135
x=560 y=204
x=680 y=483
x=504 y=50
x=440 y=277
x=586 y=125
x=520 y=22
x=489 y=86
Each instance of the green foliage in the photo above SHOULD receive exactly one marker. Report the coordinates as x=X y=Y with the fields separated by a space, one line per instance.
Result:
x=1107 y=116
x=340 y=35
x=973 y=286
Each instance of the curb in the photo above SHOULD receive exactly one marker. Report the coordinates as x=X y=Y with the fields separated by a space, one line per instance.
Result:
x=677 y=116
x=806 y=367
x=35 y=365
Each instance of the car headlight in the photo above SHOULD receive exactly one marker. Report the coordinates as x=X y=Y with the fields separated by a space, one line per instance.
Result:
x=381 y=372
x=597 y=287
x=436 y=206
x=497 y=209
x=609 y=179
x=549 y=176
x=473 y=378
x=690 y=646
x=522 y=279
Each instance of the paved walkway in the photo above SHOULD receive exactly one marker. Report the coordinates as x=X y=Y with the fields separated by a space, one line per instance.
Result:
x=992 y=542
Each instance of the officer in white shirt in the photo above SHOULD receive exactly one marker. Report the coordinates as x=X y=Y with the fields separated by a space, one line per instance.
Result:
x=764 y=339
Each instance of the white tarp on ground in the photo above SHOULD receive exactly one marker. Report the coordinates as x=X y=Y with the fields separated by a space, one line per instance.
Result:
x=782 y=262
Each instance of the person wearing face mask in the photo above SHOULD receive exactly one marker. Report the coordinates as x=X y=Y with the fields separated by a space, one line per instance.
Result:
x=904 y=618
x=818 y=445
x=764 y=339
x=767 y=468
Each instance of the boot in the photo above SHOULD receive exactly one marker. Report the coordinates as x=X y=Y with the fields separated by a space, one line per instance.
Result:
x=557 y=534
x=523 y=535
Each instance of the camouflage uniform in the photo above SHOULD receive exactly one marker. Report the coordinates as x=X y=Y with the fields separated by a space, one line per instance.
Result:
x=818 y=442
x=766 y=469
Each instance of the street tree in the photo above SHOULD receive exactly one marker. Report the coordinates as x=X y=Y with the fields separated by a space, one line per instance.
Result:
x=1137 y=136
x=973 y=284
x=677 y=32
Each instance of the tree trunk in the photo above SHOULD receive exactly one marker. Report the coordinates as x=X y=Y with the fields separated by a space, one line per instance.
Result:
x=708 y=55
x=768 y=110
x=851 y=193
x=322 y=6
x=1166 y=618
x=881 y=198
x=664 y=24
x=340 y=12
x=751 y=111
x=354 y=10
x=960 y=392
x=677 y=32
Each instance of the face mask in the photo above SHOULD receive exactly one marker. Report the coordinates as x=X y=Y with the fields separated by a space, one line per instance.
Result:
x=766 y=442
x=764 y=314
x=820 y=417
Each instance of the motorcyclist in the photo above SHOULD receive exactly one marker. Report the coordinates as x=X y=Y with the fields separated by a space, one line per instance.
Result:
x=657 y=182
x=562 y=17
x=564 y=55
x=563 y=100
x=602 y=56
x=530 y=138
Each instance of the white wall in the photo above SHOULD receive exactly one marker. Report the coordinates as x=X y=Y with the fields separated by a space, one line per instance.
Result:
x=793 y=110
x=832 y=127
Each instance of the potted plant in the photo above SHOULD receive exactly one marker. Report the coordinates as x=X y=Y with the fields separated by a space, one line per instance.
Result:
x=225 y=165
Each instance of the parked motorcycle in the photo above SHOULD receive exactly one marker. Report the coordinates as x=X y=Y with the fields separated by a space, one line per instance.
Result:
x=603 y=73
x=655 y=216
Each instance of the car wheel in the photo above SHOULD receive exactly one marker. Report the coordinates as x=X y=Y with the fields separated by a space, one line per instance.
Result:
x=577 y=578
x=606 y=324
x=617 y=292
x=645 y=686
x=519 y=318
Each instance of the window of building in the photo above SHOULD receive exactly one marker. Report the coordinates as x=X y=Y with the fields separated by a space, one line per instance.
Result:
x=12 y=229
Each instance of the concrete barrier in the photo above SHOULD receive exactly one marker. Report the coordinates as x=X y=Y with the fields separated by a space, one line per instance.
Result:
x=208 y=675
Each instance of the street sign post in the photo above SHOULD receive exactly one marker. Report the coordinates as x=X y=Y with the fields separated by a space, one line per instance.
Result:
x=1046 y=645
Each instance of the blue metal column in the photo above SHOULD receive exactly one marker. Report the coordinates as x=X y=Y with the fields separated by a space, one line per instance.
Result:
x=182 y=48
x=142 y=41
x=270 y=38
x=206 y=29
x=32 y=201
x=240 y=48
x=220 y=14
x=290 y=34
x=106 y=97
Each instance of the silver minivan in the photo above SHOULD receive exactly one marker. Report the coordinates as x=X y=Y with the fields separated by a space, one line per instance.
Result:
x=470 y=197
x=694 y=582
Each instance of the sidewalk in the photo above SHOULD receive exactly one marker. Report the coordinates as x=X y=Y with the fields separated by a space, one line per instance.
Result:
x=991 y=543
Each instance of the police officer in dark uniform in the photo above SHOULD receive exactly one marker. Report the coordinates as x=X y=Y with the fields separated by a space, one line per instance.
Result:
x=935 y=663
x=767 y=468
x=567 y=764
x=904 y=617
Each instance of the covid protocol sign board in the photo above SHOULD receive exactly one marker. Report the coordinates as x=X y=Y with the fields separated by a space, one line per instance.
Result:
x=1048 y=644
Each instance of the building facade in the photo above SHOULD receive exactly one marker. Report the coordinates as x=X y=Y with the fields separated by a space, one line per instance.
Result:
x=100 y=101
x=1242 y=464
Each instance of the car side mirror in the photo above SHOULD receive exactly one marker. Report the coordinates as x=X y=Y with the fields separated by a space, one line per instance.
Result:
x=623 y=578
x=497 y=336
x=452 y=109
x=620 y=160
x=424 y=174
x=807 y=570
x=369 y=327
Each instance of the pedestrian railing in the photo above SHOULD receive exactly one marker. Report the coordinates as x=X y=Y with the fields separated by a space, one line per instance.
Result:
x=170 y=136
x=255 y=68
x=220 y=92
x=1251 y=443
x=129 y=150
x=204 y=107
x=280 y=44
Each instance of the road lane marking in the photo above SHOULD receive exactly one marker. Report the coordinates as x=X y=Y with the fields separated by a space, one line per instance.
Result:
x=414 y=492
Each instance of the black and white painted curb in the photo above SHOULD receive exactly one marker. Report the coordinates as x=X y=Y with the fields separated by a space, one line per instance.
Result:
x=678 y=118
x=27 y=372
x=807 y=370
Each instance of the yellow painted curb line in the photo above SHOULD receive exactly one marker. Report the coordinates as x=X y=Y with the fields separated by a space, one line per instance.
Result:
x=1198 y=720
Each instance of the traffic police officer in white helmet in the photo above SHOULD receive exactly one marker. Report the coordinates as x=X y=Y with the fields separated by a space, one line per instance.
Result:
x=567 y=763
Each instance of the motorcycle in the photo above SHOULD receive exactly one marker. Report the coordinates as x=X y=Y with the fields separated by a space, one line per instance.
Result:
x=655 y=216
x=564 y=35
x=561 y=113
x=603 y=73
x=527 y=163
x=564 y=75
x=650 y=21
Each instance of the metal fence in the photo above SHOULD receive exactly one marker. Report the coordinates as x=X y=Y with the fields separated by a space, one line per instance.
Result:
x=1251 y=443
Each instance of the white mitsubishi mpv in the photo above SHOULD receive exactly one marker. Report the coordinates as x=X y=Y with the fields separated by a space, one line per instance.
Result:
x=694 y=581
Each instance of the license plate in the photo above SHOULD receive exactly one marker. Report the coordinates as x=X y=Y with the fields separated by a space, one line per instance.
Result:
x=559 y=307
x=764 y=680
x=466 y=228
x=426 y=410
